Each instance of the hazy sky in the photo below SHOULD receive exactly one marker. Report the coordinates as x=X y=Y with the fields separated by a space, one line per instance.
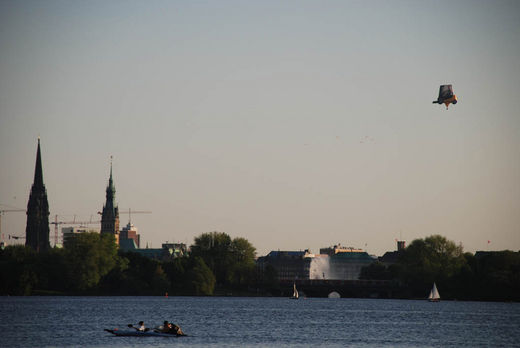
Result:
x=294 y=124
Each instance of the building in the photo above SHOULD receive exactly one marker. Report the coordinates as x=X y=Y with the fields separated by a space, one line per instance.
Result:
x=175 y=250
x=168 y=251
x=37 y=229
x=129 y=232
x=127 y=244
x=289 y=265
x=69 y=232
x=342 y=263
x=336 y=249
x=348 y=265
x=110 y=214
x=333 y=263
x=391 y=257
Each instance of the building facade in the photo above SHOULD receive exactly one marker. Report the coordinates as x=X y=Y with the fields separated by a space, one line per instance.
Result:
x=130 y=232
x=167 y=252
x=391 y=257
x=110 y=214
x=348 y=265
x=70 y=232
x=289 y=265
x=336 y=249
x=37 y=228
x=333 y=263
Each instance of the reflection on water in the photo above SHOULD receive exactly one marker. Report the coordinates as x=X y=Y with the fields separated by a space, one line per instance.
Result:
x=258 y=322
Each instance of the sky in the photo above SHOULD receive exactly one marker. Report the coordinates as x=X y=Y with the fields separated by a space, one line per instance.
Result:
x=294 y=124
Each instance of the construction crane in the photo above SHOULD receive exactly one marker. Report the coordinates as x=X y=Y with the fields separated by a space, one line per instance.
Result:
x=2 y=211
x=56 y=223
x=73 y=222
x=130 y=212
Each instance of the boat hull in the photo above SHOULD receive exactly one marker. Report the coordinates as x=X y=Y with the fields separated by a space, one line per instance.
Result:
x=127 y=333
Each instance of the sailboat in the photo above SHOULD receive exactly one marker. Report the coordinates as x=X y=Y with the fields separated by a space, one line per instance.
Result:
x=434 y=294
x=295 y=295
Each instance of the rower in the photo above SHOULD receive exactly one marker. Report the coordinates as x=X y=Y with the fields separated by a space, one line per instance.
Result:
x=176 y=329
x=172 y=329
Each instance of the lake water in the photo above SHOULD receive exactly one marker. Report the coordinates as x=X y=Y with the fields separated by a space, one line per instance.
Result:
x=258 y=322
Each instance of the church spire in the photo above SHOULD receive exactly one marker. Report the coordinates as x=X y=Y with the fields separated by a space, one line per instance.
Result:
x=110 y=181
x=37 y=229
x=110 y=214
x=111 y=191
x=38 y=172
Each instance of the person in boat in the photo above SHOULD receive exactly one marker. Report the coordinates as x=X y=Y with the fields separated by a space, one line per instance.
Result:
x=176 y=329
x=140 y=327
x=172 y=329
x=166 y=327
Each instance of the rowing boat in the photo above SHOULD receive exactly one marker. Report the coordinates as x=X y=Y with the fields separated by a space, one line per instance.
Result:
x=139 y=333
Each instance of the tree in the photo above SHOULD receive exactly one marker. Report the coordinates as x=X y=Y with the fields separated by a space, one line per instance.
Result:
x=17 y=270
x=215 y=249
x=231 y=261
x=52 y=269
x=376 y=270
x=89 y=257
x=242 y=266
x=497 y=275
x=201 y=280
x=433 y=259
x=136 y=275
x=242 y=251
x=176 y=270
x=115 y=281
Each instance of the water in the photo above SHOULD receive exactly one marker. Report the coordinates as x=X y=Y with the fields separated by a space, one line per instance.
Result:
x=258 y=322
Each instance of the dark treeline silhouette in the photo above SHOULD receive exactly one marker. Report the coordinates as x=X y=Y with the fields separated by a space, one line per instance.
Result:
x=220 y=265
x=485 y=276
x=91 y=265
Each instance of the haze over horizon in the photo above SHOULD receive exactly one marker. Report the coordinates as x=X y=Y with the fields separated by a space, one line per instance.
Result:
x=292 y=124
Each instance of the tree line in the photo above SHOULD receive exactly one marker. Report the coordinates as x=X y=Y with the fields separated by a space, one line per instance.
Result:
x=91 y=264
x=484 y=276
x=219 y=265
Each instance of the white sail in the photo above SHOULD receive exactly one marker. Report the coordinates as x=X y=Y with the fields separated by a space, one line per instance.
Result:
x=434 y=294
x=295 y=292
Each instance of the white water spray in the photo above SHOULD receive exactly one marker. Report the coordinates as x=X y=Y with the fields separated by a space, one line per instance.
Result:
x=320 y=268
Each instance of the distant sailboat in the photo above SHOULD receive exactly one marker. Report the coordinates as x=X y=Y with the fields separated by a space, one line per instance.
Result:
x=295 y=295
x=434 y=294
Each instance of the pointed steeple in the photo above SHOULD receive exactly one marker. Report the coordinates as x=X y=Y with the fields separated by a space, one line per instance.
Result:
x=111 y=191
x=110 y=181
x=38 y=172
x=37 y=229
x=110 y=214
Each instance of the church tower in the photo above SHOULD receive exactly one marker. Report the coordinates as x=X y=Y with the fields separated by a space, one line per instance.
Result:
x=110 y=215
x=37 y=229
